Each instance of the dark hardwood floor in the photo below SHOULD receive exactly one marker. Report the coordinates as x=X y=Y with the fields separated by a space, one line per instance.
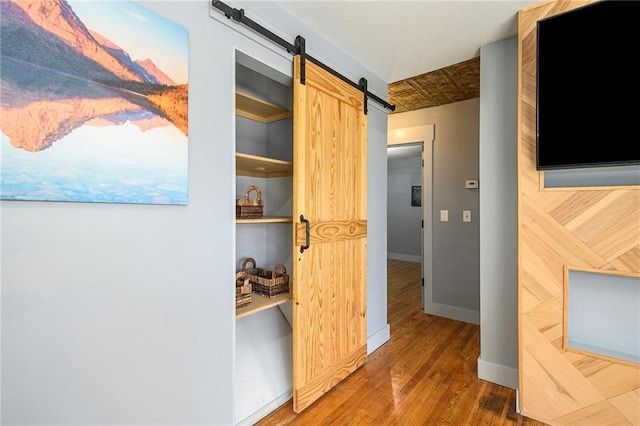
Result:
x=426 y=374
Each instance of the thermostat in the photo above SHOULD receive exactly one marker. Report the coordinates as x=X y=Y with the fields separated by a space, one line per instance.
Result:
x=472 y=183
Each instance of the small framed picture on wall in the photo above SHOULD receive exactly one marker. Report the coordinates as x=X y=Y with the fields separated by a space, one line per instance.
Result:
x=416 y=196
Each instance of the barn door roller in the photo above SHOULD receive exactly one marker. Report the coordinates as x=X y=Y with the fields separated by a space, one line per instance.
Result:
x=296 y=49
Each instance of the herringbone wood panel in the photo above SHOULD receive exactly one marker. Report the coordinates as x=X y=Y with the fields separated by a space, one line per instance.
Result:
x=595 y=228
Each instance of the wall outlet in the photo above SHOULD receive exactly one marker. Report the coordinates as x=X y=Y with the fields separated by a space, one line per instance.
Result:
x=472 y=183
x=444 y=215
x=466 y=215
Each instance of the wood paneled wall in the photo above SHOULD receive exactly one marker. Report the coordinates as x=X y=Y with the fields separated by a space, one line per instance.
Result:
x=596 y=228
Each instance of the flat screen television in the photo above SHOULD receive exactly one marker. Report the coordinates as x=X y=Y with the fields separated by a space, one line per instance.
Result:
x=588 y=86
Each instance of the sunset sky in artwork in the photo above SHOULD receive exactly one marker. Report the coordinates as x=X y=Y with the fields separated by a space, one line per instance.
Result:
x=140 y=33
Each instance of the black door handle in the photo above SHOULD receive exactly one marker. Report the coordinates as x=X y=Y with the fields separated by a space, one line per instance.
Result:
x=307 y=228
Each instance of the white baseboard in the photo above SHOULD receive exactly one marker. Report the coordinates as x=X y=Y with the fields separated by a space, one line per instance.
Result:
x=378 y=339
x=452 y=312
x=405 y=257
x=498 y=374
x=267 y=409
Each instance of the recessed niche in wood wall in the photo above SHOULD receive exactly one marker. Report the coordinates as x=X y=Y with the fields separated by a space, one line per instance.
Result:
x=602 y=314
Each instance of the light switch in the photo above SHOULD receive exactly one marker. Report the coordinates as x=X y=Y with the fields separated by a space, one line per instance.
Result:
x=444 y=215
x=466 y=215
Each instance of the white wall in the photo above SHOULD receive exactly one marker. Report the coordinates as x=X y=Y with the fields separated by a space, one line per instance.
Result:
x=455 y=273
x=378 y=331
x=124 y=314
x=498 y=361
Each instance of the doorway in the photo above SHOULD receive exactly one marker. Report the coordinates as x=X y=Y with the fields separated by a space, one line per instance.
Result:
x=412 y=142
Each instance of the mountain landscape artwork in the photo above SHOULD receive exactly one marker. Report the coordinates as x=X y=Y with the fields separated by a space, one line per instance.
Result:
x=93 y=103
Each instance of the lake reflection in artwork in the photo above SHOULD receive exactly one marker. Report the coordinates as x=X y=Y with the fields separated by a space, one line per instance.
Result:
x=90 y=124
x=119 y=164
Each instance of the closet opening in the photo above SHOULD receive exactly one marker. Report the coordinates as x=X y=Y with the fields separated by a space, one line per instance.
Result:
x=264 y=160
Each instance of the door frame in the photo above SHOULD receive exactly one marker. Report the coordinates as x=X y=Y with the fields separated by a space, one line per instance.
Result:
x=426 y=136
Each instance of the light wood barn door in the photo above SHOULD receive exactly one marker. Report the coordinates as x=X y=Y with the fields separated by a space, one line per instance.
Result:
x=330 y=191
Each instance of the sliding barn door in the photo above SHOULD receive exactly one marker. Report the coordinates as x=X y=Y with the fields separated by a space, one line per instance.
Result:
x=330 y=208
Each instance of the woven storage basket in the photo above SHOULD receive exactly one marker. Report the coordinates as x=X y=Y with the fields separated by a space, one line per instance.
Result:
x=249 y=208
x=243 y=289
x=267 y=283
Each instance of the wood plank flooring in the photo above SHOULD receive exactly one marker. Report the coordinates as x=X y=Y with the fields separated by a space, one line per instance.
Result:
x=426 y=374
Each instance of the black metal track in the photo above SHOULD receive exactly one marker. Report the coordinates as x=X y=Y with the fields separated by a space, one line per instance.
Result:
x=239 y=16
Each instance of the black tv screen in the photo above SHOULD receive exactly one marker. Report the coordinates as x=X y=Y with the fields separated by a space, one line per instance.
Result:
x=588 y=86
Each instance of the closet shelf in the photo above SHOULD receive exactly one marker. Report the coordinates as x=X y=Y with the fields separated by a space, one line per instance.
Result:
x=256 y=166
x=256 y=109
x=267 y=219
x=260 y=303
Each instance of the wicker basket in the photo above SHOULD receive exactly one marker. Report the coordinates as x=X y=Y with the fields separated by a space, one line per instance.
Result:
x=243 y=289
x=249 y=208
x=267 y=283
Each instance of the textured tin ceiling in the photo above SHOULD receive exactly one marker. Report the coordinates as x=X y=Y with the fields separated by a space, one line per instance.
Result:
x=454 y=83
